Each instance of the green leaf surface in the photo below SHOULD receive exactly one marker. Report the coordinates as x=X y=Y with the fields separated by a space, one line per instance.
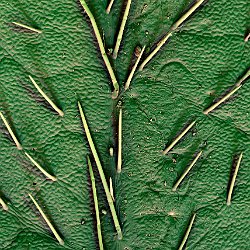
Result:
x=201 y=61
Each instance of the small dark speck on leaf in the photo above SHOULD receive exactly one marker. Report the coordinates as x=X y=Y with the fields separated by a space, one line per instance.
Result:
x=137 y=51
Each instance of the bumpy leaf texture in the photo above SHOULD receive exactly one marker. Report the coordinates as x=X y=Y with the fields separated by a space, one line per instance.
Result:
x=201 y=61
